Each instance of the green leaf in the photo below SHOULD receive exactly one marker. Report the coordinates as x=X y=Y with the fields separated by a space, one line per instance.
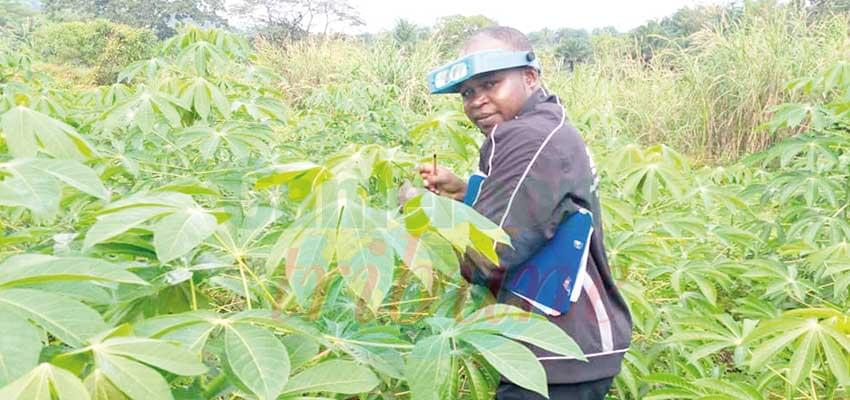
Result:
x=808 y=333
x=161 y=325
x=29 y=269
x=192 y=337
x=201 y=94
x=257 y=359
x=766 y=350
x=674 y=394
x=460 y=224
x=276 y=320
x=41 y=381
x=71 y=173
x=38 y=192
x=479 y=388
x=157 y=353
x=662 y=168
x=788 y=115
x=20 y=345
x=513 y=360
x=35 y=183
x=670 y=380
x=292 y=173
x=137 y=381
x=428 y=367
x=307 y=267
x=731 y=390
x=431 y=251
x=804 y=356
x=69 y=320
x=219 y=100
x=100 y=388
x=180 y=232
x=301 y=349
x=239 y=136
x=65 y=384
x=113 y=224
x=839 y=362
x=326 y=377
x=520 y=325
x=369 y=272
x=28 y=132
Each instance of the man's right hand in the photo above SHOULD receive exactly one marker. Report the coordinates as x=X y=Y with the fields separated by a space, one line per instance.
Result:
x=442 y=182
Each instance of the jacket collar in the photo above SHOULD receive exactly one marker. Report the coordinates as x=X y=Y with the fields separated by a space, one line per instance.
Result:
x=539 y=96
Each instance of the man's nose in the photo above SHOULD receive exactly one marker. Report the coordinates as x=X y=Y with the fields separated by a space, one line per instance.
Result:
x=479 y=100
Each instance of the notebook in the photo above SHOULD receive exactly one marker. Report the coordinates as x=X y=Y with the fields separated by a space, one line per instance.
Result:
x=551 y=279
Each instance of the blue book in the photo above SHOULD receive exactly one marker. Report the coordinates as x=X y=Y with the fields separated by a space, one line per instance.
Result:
x=551 y=279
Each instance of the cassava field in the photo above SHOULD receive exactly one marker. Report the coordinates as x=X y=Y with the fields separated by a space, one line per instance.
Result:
x=213 y=215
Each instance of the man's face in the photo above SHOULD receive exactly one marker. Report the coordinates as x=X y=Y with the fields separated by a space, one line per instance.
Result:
x=495 y=97
x=498 y=96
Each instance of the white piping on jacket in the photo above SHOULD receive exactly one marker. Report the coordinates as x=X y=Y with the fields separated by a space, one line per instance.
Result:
x=478 y=193
x=492 y=150
x=605 y=335
x=582 y=270
x=530 y=164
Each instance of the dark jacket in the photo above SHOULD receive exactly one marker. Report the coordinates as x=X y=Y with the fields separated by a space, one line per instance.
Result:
x=539 y=171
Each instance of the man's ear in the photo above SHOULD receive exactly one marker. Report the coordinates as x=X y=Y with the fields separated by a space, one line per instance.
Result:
x=531 y=78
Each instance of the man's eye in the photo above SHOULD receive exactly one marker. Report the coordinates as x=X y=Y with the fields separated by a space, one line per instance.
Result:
x=489 y=84
x=466 y=93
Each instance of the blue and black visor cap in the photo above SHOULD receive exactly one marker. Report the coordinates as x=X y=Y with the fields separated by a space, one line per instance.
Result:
x=449 y=77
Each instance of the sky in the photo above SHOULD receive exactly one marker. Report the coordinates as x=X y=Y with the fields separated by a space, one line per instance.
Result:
x=527 y=16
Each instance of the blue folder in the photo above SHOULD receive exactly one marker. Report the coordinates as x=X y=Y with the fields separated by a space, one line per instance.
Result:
x=551 y=279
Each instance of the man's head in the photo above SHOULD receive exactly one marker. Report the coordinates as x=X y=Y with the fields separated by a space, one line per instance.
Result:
x=494 y=97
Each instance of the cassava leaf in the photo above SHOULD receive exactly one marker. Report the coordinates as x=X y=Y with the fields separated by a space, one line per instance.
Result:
x=257 y=359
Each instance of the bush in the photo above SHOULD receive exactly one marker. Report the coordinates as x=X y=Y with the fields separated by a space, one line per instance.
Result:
x=104 y=46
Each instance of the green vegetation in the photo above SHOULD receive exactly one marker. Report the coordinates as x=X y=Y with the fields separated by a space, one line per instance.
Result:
x=156 y=15
x=103 y=46
x=220 y=219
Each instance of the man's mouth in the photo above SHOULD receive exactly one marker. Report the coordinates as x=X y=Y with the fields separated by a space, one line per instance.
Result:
x=485 y=120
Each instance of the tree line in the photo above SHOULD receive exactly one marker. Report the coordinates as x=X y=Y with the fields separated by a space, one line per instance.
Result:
x=286 y=20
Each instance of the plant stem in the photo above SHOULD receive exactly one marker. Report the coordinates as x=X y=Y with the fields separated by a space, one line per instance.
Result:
x=370 y=344
x=216 y=386
x=194 y=295
x=244 y=285
x=263 y=287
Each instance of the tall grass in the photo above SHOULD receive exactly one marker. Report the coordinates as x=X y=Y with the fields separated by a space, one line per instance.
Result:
x=708 y=100
x=309 y=65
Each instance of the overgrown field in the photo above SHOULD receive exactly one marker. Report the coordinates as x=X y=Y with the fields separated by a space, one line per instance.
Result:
x=223 y=222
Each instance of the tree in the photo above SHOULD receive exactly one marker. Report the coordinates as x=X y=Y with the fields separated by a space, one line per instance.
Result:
x=543 y=38
x=689 y=20
x=406 y=33
x=573 y=46
x=280 y=20
x=607 y=30
x=677 y=29
x=821 y=8
x=16 y=22
x=453 y=30
x=161 y=16
x=12 y=11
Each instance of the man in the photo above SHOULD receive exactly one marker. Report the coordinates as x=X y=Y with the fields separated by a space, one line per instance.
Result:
x=538 y=173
